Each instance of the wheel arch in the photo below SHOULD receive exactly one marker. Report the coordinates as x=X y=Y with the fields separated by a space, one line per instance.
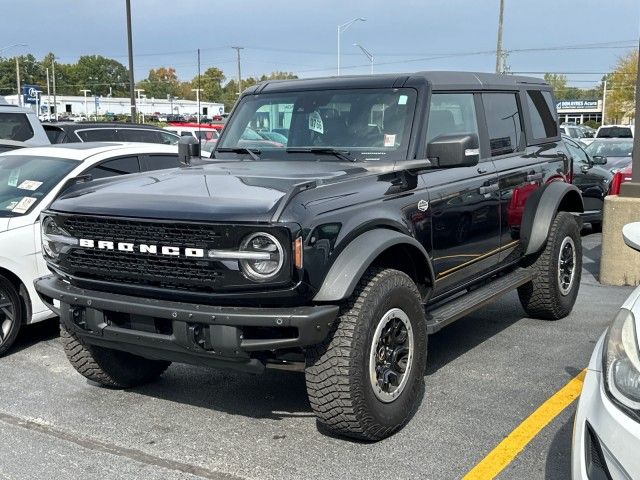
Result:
x=541 y=209
x=380 y=247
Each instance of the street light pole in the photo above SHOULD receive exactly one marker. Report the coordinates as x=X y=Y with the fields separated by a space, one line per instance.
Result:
x=197 y=90
x=55 y=100
x=48 y=98
x=499 y=58
x=632 y=188
x=18 y=82
x=367 y=54
x=342 y=28
x=85 y=91
x=132 y=84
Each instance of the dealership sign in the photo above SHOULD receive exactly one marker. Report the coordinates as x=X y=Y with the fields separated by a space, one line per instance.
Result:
x=30 y=94
x=577 y=104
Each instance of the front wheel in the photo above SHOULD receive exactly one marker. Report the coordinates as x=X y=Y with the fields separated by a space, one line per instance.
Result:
x=367 y=378
x=557 y=271
x=10 y=314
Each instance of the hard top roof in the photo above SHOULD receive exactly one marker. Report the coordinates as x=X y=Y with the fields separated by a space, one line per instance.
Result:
x=439 y=80
x=67 y=125
x=82 y=151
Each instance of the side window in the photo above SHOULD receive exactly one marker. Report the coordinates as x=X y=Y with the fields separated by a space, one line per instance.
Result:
x=97 y=135
x=577 y=153
x=451 y=113
x=503 y=122
x=15 y=126
x=543 y=122
x=160 y=162
x=117 y=166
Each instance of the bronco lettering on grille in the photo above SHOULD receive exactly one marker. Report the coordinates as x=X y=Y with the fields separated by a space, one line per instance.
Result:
x=142 y=248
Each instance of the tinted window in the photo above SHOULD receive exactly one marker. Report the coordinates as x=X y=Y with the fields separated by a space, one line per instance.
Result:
x=15 y=126
x=614 y=132
x=55 y=134
x=543 y=121
x=160 y=162
x=503 y=122
x=117 y=166
x=451 y=113
x=97 y=135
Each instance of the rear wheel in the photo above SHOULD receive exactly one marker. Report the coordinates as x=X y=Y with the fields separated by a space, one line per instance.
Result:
x=367 y=378
x=111 y=368
x=557 y=272
x=10 y=314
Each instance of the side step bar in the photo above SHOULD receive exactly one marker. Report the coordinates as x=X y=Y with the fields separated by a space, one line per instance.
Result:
x=464 y=304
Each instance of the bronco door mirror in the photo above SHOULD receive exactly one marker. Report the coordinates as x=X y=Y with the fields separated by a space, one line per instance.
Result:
x=449 y=151
x=599 y=160
x=631 y=235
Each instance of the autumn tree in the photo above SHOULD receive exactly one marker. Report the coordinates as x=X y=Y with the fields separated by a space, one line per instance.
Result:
x=621 y=84
x=160 y=83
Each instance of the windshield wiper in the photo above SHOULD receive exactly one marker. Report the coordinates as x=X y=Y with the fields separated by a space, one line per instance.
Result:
x=252 y=152
x=341 y=154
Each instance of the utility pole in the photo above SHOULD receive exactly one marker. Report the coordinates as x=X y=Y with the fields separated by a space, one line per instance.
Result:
x=237 y=49
x=138 y=91
x=197 y=90
x=499 y=44
x=604 y=102
x=48 y=98
x=85 y=91
x=132 y=84
x=55 y=101
x=18 y=82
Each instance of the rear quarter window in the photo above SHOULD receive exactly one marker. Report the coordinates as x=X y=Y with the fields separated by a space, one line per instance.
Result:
x=15 y=126
x=542 y=115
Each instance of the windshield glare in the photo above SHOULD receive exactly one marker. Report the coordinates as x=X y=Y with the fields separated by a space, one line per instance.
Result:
x=25 y=180
x=371 y=124
x=610 y=149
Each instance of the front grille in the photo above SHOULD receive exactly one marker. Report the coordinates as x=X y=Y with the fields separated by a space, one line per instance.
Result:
x=162 y=271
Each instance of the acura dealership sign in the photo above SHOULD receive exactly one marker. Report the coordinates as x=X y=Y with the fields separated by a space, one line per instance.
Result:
x=577 y=104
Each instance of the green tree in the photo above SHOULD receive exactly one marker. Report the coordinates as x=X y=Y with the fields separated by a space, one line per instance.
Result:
x=621 y=87
x=211 y=83
x=98 y=74
x=160 y=82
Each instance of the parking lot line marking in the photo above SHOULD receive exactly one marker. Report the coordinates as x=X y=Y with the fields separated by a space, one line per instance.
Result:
x=509 y=448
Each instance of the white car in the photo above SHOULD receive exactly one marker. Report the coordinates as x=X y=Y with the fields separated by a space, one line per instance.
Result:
x=30 y=179
x=606 y=434
x=204 y=133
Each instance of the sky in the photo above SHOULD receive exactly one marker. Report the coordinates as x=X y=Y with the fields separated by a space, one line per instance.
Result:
x=570 y=36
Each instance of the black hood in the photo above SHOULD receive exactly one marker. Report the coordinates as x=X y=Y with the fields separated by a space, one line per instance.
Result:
x=231 y=191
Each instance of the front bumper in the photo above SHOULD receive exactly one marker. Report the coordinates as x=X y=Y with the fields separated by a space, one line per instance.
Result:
x=603 y=434
x=185 y=332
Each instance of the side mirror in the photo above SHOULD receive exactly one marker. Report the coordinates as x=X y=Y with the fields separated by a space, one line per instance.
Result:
x=449 y=151
x=599 y=160
x=584 y=168
x=631 y=235
x=188 y=148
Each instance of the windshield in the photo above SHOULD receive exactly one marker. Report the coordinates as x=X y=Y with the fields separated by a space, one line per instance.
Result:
x=25 y=180
x=370 y=124
x=610 y=149
x=615 y=132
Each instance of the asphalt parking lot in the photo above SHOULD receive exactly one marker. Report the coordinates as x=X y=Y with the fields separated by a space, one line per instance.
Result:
x=486 y=373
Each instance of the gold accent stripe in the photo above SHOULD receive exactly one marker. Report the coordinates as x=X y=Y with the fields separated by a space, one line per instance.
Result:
x=481 y=257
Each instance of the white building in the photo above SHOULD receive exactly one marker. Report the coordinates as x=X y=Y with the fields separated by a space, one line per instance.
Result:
x=75 y=105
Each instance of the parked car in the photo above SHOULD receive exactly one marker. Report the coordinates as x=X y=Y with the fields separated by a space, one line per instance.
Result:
x=215 y=125
x=593 y=180
x=29 y=180
x=606 y=433
x=202 y=132
x=613 y=153
x=21 y=125
x=572 y=131
x=71 y=132
x=621 y=176
x=324 y=255
x=615 y=131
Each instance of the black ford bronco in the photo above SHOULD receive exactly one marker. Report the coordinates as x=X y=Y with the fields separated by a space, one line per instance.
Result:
x=385 y=208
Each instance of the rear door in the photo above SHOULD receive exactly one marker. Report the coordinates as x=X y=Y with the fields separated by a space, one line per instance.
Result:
x=464 y=201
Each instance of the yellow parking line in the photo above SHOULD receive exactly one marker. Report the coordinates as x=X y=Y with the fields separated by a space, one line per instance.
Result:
x=501 y=456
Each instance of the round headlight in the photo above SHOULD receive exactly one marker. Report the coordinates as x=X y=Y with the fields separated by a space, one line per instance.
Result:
x=47 y=229
x=262 y=256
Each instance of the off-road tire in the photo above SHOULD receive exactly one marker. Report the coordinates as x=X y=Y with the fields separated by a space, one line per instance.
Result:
x=110 y=368
x=15 y=307
x=337 y=371
x=542 y=297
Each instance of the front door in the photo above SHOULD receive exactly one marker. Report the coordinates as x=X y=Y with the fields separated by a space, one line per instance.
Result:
x=464 y=201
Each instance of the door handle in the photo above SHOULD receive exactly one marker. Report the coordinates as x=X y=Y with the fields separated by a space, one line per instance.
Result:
x=534 y=176
x=489 y=188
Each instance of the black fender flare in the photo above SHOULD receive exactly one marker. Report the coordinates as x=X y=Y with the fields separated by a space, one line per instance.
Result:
x=540 y=210
x=357 y=257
